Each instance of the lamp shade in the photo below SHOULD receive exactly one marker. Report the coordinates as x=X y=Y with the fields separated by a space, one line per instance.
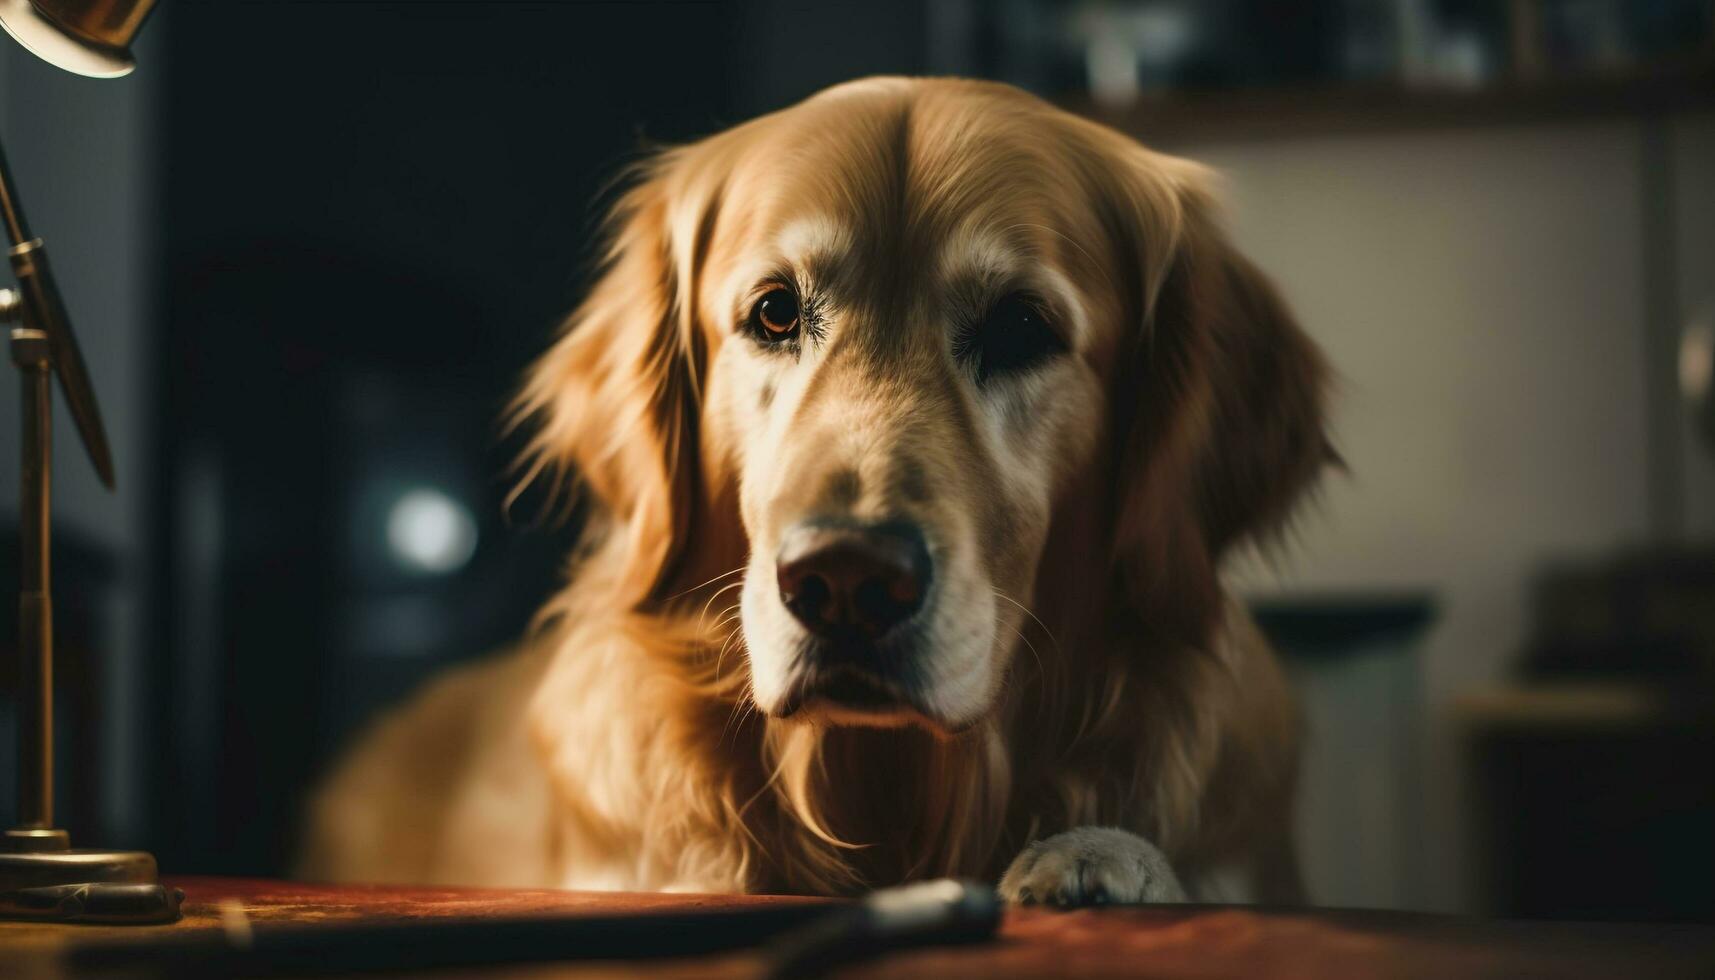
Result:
x=88 y=37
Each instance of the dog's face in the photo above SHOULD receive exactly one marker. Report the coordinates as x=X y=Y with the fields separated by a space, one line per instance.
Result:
x=899 y=329
x=907 y=374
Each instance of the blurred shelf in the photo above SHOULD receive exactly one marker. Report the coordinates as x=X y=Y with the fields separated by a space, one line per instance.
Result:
x=1573 y=706
x=1360 y=109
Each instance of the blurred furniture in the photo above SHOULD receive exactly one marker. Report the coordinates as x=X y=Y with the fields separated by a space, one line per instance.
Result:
x=1594 y=772
x=1381 y=108
x=1355 y=663
x=1121 y=53
x=1592 y=801
x=1641 y=615
x=1160 y=942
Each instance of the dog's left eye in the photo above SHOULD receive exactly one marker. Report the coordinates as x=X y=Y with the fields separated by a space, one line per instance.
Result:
x=775 y=316
x=1015 y=336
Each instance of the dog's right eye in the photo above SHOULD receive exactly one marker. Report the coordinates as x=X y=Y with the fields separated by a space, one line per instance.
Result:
x=774 y=318
x=1015 y=336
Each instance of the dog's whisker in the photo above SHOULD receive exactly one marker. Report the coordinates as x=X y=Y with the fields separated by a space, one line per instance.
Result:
x=1026 y=610
x=702 y=585
x=1040 y=669
x=703 y=617
x=731 y=716
x=732 y=634
x=742 y=707
x=727 y=636
x=718 y=593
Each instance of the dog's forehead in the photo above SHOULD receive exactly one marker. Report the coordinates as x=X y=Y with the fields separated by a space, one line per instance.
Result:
x=918 y=164
x=904 y=199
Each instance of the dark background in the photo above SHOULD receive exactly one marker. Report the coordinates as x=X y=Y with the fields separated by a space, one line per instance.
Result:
x=374 y=227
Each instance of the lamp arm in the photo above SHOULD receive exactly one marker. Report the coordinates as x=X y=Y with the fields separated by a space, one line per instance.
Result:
x=17 y=229
x=44 y=310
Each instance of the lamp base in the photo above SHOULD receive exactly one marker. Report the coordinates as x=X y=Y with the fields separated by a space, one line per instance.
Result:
x=43 y=878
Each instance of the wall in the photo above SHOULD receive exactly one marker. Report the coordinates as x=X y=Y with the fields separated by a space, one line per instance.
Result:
x=1482 y=295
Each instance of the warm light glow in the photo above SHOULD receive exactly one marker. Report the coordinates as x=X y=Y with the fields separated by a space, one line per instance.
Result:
x=1697 y=361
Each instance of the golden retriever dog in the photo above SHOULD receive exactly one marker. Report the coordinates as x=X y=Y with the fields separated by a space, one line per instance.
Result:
x=916 y=420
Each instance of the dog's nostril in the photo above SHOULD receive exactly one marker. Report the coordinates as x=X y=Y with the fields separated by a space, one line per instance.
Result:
x=875 y=603
x=808 y=597
x=855 y=579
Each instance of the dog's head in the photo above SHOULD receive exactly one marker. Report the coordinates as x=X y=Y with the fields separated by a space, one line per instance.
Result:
x=939 y=349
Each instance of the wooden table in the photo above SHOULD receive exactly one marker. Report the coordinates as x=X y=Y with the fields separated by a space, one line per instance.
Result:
x=1166 y=942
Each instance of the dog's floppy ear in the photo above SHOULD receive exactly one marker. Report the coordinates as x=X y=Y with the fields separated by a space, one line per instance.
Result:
x=613 y=404
x=1219 y=407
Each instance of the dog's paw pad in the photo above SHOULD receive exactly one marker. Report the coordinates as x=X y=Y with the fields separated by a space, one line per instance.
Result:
x=1090 y=866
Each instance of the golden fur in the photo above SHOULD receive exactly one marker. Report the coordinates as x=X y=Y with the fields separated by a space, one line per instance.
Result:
x=622 y=745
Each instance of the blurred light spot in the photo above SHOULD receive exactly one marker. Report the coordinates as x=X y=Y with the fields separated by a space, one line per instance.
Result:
x=430 y=532
x=1697 y=361
x=1112 y=67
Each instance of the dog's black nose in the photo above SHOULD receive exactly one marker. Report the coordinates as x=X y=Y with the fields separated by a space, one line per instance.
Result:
x=849 y=580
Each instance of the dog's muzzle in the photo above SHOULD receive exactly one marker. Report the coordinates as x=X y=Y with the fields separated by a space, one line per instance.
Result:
x=855 y=588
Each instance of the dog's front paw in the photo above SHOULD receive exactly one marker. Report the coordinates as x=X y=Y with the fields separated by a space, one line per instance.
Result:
x=1090 y=866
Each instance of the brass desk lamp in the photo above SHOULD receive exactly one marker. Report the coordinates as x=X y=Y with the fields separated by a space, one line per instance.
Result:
x=41 y=875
